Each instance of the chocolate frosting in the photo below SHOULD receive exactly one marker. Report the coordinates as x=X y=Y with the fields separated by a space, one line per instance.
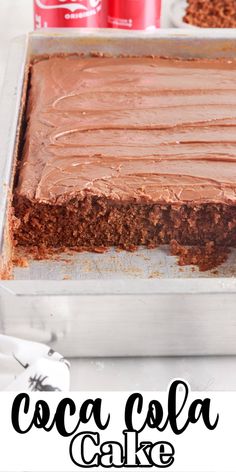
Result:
x=140 y=129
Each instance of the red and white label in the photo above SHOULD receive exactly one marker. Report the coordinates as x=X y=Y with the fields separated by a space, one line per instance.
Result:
x=134 y=14
x=68 y=13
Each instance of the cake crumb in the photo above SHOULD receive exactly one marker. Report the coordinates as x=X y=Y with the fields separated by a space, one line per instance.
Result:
x=154 y=275
x=205 y=257
x=20 y=261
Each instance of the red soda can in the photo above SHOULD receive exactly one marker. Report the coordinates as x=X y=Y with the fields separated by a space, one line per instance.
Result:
x=68 y=13
x=134 y=14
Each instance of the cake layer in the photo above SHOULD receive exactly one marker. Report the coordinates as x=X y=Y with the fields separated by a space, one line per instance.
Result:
x=96 y=223
x=128 y=151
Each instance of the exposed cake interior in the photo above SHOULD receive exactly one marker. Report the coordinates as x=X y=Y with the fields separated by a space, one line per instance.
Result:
x=127 y=152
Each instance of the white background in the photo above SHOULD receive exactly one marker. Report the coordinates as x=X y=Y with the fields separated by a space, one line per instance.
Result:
x=197 y=449
x=122 y=374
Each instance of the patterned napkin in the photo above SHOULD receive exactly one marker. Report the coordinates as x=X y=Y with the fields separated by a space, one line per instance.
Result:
x=30 y=366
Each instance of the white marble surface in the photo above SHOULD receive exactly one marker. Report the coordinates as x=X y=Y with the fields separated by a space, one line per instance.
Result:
x=122 y=374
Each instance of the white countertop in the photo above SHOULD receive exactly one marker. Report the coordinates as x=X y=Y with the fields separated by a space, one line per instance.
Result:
x=122 y=374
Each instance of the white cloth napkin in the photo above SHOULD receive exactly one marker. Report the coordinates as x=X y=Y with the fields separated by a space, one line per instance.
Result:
x=30 y=366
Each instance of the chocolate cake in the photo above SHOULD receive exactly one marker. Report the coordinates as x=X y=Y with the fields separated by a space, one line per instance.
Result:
x=211 y=13
x=127 y=152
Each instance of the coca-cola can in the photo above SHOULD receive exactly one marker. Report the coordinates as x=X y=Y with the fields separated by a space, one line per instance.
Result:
x=69 y=13
x=134 y=14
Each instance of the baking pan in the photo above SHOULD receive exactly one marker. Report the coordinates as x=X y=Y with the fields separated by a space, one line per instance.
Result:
x=117 y=303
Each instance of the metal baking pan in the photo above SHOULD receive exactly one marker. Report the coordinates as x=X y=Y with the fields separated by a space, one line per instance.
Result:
x=113 y=304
